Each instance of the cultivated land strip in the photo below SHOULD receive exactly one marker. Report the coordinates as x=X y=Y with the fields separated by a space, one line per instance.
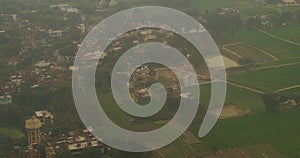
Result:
x=280 y=38
x=277 y=66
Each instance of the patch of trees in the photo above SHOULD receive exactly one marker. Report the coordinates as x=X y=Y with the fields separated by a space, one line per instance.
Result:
x=271 y=102
x=220 y=23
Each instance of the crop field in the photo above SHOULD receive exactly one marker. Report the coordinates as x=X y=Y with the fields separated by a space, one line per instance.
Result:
x=275 y=47
x=270 y=79
x=250 y=53
x=236 y=96
x=288 y=32
x=256 y=129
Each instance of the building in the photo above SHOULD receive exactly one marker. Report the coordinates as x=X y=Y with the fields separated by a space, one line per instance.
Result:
x=33 y=126
x=45 y=116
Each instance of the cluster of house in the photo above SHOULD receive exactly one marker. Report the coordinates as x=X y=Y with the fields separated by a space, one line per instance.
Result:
x=66 y=8
x=75 y=141
x=290 y=100
x=79 y=140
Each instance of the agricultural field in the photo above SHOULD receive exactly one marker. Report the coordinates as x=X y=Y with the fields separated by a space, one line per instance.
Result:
x=270 y=79
x=236 y=96
x=256 y=129
x=275 y=47
x=250 y=53
x=287 y=32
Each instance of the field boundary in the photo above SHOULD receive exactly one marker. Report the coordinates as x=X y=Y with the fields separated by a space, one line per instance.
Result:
x=279 y=38
x=287 y=88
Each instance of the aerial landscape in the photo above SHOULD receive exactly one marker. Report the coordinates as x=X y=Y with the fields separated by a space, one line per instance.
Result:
x=259 y=43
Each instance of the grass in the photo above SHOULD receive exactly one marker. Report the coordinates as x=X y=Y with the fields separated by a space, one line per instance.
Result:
x=278 y=48
x=281 y=62
x=12 y=133
x=288 y=32
x=279 y=129
x=250 y=53
x=270 y=79
x=237 y=96
x=295 y=91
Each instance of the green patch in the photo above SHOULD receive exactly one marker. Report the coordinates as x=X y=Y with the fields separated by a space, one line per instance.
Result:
x=270 y=79
x=275 y=47
x=250 y=53
x=279 y=129
x=288 y=32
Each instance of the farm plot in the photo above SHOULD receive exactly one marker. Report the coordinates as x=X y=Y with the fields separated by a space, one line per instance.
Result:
x=271 y=79
x=275 y=47
x=289 y=32
x=247 y=52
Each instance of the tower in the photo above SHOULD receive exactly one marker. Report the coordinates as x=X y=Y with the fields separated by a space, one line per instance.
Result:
x=33 y=126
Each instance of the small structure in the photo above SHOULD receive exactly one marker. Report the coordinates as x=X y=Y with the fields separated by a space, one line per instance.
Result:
x=33 y=126
x=55 y=33
x=5 y=99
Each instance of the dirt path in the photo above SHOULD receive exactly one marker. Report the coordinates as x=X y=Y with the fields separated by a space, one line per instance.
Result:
x=245 y=87
x=278 y=66
x=282 y=39
x=287 y=88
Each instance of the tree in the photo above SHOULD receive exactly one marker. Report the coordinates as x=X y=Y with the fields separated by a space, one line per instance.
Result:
x=91 y=153
x=271 y=102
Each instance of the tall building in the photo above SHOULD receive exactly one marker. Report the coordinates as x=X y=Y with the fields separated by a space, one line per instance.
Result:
x=33 y=126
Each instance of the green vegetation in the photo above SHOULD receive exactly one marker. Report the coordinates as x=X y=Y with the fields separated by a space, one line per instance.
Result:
x=250 y=53
x=236 y=96
x=270 y=79
x=278 y=129
x=273 y=46
x=287 y=32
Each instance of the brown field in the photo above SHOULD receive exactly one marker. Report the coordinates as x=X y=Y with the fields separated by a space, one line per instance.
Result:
x=230 y=111
x=190 y=138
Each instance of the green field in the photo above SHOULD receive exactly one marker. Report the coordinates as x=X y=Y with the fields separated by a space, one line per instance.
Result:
x=237 y=96
x=295 y=91
x=275 y=47
x=250 y=53
x=289 y=32
x=270 y=79
x=280 y=130
x=281 y=62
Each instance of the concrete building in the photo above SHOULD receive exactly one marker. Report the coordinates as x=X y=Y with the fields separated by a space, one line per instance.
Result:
x=33 y=126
